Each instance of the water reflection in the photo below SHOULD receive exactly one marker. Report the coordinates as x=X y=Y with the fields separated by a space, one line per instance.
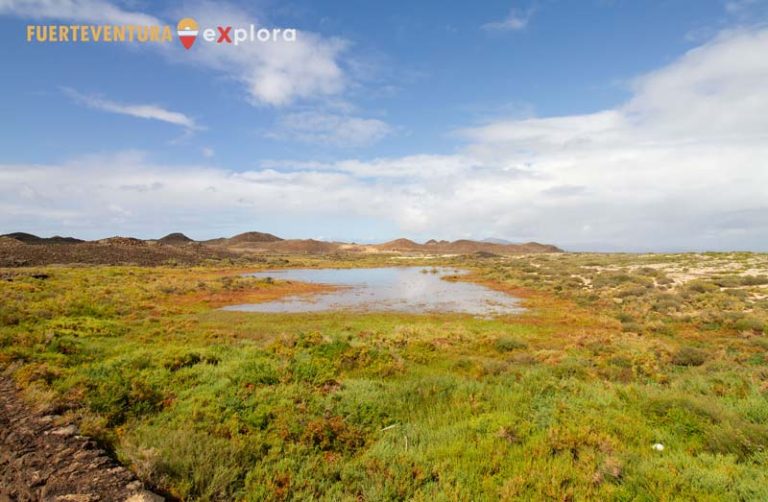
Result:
x=390 y=289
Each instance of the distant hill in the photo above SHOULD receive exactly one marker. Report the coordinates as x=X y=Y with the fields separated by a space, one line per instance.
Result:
x=536 y=247
x=111 y=251
x=400 y=245
x=23 y=237
x=33 y=239
x=309 y=246
x=175 y=238
x=494 y=240
x=20 y=248
x=253 y=237
x=465 y=246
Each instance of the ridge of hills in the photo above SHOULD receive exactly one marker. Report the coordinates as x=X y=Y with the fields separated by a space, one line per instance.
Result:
x=25 y=249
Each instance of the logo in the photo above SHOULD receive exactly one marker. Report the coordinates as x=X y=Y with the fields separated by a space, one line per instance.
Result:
x=187 y=32
x=86 y=33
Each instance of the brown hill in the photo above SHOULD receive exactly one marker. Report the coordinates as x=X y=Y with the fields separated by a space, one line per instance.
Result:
x=24 y=237
x=33 y=239
x=536 y=247
x=253 y=237
x=303 y=246
x=401 y=244
x=112 y=251
x=309 y=246
x=465 y=246
x=175 y=238
x=18 y=249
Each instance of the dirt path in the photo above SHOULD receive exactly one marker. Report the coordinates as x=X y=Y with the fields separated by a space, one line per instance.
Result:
x=42 y=461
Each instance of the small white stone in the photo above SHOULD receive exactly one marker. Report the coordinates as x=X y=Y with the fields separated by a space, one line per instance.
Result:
x=69 y=430
x=134 y=486
x=658 y=447
x=145 y=496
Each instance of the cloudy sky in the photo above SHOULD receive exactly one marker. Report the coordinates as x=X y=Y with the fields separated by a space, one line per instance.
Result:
x=594 y=125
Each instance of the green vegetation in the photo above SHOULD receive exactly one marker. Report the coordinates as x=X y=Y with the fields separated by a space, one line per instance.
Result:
x=564 y=402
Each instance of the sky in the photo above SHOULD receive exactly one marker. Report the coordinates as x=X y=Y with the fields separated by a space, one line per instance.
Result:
x=595 y=125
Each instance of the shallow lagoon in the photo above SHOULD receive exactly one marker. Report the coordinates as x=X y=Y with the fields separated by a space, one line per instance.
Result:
x=391 y=289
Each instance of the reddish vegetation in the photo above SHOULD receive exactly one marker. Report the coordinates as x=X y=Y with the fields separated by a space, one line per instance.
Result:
x=253 y=295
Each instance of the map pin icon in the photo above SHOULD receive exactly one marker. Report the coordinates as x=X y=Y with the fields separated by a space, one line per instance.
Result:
x=187 y=31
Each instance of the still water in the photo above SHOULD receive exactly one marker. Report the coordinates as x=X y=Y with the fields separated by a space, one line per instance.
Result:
x=390 y=289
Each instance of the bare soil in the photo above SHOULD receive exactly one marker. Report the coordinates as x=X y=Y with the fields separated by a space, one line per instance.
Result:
x=43 y=459
x=113 y=251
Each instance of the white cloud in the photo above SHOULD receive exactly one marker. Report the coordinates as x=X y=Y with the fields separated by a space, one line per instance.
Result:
x=275 y=73
x=516 y=20
x=143 y=111
x=87 y=11
x=424 y=168
x=329 y=129
x=682 y=164
x=89 y=189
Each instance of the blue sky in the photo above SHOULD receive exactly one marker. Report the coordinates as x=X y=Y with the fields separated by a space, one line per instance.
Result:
x=599 y=124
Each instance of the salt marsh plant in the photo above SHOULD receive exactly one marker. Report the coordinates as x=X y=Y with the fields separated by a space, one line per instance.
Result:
x=615 y=354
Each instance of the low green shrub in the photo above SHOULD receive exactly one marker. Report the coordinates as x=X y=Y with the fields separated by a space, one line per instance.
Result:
x=508 y=344
x=701 y=286
x=689 y=356
x=750 y=324
x=742 y=439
